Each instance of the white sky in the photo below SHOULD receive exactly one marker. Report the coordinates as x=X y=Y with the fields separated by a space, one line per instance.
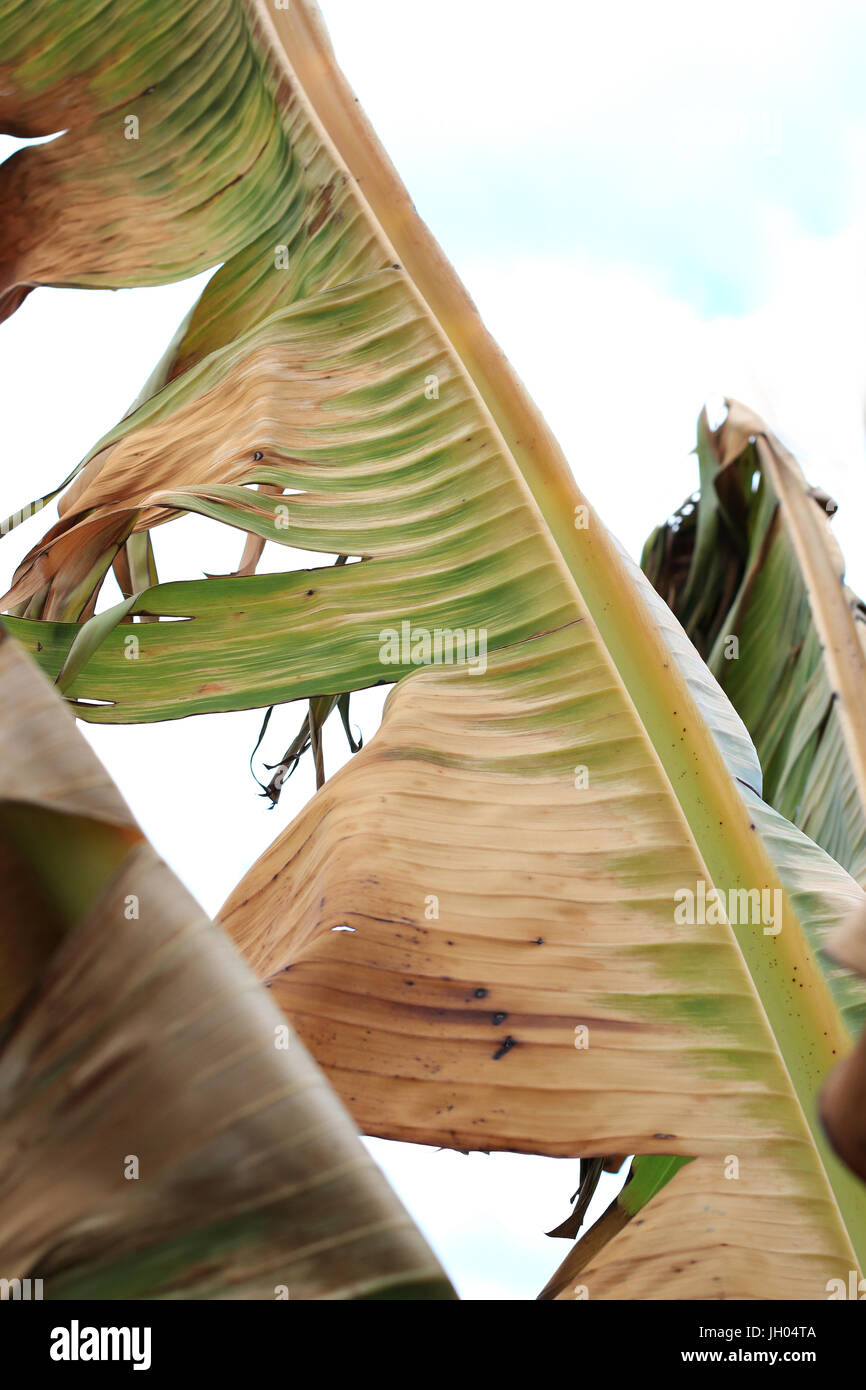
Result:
x=651 y=205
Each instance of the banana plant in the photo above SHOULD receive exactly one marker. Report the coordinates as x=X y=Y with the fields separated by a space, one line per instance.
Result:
x=752 y=570
x=546 y=908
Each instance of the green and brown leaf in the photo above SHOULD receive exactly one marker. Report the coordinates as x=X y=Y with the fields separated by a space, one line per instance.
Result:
x=752 y=570
x=132 y=1032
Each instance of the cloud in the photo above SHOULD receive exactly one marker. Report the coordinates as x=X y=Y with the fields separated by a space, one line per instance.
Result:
x=620 y=369
x=660 y=136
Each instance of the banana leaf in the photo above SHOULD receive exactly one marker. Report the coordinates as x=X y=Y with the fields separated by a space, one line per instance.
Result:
x=756 y=577
x=163 y=1133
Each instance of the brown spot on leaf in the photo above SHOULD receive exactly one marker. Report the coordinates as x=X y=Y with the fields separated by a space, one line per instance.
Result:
x=324 y=203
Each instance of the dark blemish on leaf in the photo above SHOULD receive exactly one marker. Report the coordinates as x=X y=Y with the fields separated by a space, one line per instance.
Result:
x=539 y=941
x=481 y=994
x=310 y=592
x=498 y=1018
x=664 y=1136
x=506 y=1047
x=258 y=455
x=39 y=646
x=324 y=201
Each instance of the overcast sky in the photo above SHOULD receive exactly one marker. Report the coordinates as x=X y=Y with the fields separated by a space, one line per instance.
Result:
x=652 y=206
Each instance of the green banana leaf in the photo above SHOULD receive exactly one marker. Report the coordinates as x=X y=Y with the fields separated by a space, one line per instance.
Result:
x=757 y=580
